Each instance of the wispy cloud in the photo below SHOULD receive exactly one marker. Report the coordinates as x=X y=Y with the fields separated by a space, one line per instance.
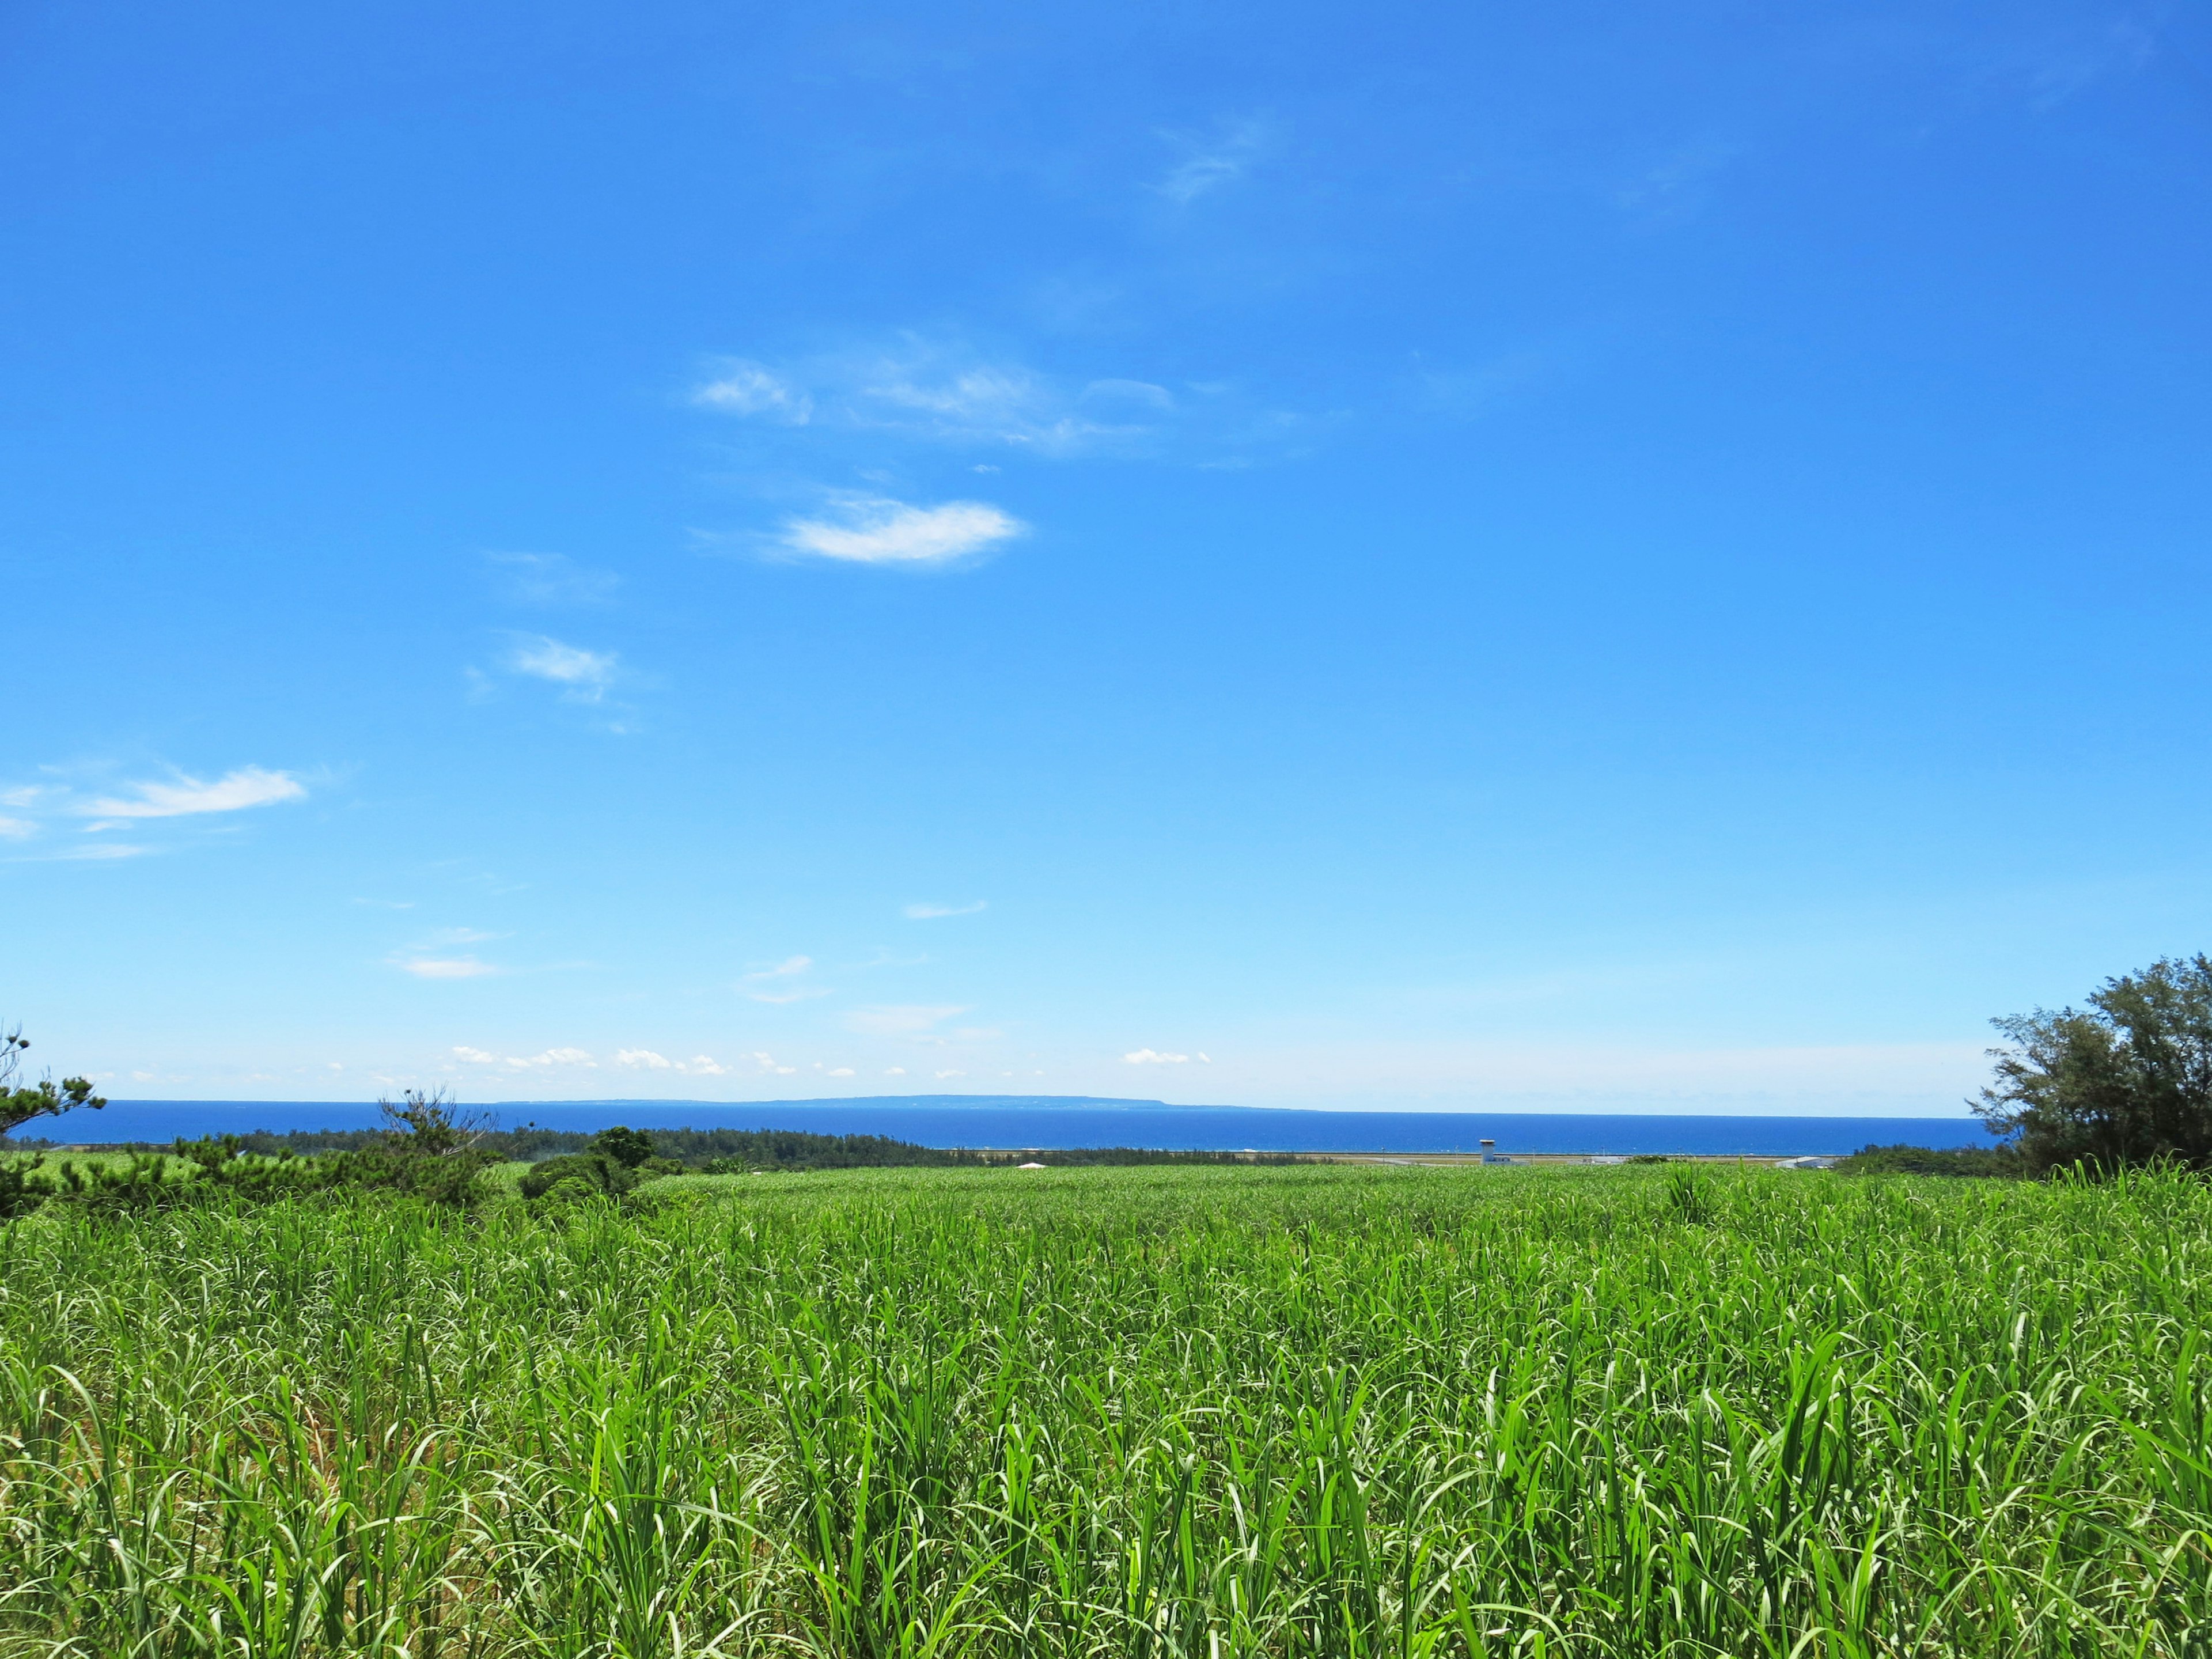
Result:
x=908 y=1019
x=446 y=968
x=877 y=529
x=1153 y=1057
x=18 y=828
x=780 y=983
x=552 y=578
x=741 y=387
x=936 y=390
x=942 y=390
x=1677 y=184
x=182 y=796
x=587 y=674
x=927 y=912
x=1210 y=163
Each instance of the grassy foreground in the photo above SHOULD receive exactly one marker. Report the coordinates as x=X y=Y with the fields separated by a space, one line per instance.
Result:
x=1207 y=1412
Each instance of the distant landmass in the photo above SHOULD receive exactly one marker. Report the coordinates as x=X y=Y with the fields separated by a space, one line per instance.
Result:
x=1070 y=1122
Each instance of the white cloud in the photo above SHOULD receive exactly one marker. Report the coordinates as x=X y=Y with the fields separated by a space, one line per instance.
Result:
x=841 y=1071
x=894 y=1071
x=553 y=1057
x=908 y=1019
x=931 y=912
x=943 y=391
x=777 y=985
x=943 y=1074
x=646 y=1060
x=474 y=1056
x=877 y=529
x=234 y=791
x=939 y=391
x=1152 y=1057
x=448 y=967
x=1210 y=165
x=767 y=1063
x=105 y=850
x=18 y=828
x=585 y=673
x=1129 y=392
x=742 y=387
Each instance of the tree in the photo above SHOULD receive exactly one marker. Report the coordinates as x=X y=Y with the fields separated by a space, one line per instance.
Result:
x=428 y=1147
x=2127 y=1081
x=617 y=1160
x=20 y=1104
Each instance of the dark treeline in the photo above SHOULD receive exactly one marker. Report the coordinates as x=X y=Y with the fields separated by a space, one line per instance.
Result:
x=726 y=1150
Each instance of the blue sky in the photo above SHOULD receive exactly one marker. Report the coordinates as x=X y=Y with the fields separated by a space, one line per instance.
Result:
x=1527 y=558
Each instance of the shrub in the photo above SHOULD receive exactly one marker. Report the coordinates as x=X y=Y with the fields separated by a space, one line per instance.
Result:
x=1999 y=1162
x=617 y=1160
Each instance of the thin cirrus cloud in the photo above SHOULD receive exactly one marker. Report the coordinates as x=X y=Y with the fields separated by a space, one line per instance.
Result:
x=928 y=912
x=1208 y=165
x=552 y=578
x=875 y=530
x=785 y=983
x=1153 y=1057
x=943 y=392
x=585 y=675
x=740 y=387
x=905 y=1019
x=446 y=968
x=184 y=796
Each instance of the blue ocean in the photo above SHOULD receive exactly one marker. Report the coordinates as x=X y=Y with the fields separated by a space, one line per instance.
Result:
x=1063 y=1122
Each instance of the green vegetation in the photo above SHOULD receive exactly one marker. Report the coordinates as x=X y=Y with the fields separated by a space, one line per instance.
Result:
x=20 y=1103
x=424 y=1151
x=1988 y=1162
x=1322 y=1410
x=2127 y=1083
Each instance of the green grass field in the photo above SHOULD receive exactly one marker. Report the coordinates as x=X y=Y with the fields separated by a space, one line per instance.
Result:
x=1321 y=1410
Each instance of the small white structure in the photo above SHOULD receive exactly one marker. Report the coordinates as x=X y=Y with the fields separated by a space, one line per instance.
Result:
x=1033 y=1166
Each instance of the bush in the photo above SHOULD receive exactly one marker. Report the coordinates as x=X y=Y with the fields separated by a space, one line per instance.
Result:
x=617 y=1160
x=2000 y=1163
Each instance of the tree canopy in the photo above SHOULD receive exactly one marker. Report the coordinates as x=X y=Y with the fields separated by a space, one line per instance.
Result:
x=2127 y=1080
x=20 y=1104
